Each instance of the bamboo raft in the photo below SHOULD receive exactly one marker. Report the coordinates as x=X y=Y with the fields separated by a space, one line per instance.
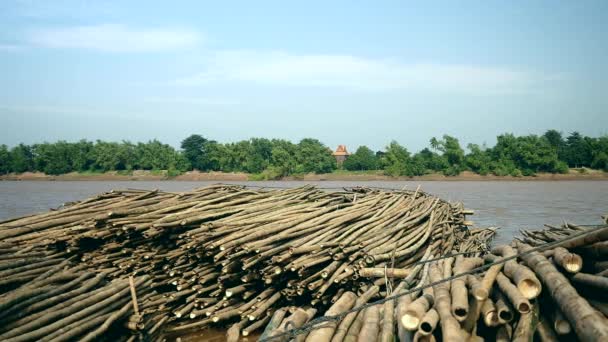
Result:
x=271 y=261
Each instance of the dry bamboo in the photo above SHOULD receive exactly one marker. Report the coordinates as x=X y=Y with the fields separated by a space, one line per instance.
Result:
x=526 y=281
x=544 y=331
x=387 y=332
x=449 y=325
x=587 y=323
x=326 y=330
x=382 y=272
x=520 y=303
x=222 y=241
x=428 y=322
x=570 y=262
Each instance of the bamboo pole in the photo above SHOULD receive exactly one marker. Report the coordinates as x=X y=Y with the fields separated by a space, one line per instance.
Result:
x=587 y=323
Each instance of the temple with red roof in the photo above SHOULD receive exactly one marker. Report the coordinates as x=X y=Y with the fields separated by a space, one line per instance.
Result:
x=341 y=154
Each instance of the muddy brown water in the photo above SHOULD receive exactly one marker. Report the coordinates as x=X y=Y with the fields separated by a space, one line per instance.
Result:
x=510 y=206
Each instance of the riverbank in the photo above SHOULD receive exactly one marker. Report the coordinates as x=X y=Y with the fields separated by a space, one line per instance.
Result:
x=340 y=175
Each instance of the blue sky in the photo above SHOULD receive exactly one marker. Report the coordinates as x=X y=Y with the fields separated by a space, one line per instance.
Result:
x=345 y=72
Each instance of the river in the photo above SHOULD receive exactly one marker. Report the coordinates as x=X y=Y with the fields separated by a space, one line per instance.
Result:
x=510 y=206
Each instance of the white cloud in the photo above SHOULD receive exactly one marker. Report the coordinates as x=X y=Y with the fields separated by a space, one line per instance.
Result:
x=114 y=38
x=352 y=72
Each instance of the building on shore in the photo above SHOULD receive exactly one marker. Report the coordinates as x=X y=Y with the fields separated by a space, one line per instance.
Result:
x=341 y=154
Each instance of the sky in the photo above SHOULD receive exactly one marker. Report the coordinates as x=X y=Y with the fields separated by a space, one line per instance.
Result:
x=344 y=72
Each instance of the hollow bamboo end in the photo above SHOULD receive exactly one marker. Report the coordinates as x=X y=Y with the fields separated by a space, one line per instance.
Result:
x=529 y=288
x=460 y=313
x=491 y=319
x=505 y=315
x=574 y=263
x=425 y=328
x=523 y=307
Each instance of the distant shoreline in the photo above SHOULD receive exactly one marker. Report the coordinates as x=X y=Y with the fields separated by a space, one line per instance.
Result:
x=142 y=175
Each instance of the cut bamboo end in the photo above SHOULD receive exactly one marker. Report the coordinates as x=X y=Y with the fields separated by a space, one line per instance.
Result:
x=523 y=307
x=529 y=288
x=562 y=326
x=426 y=327
x=460 y=313
x=491 y=319
x=410 y=322
x=429 y=322
x=573 y=263
x=505 y=316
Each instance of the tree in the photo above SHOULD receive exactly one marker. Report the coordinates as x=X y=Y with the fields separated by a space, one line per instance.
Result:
x=109 y=156
x=196 y=150
x=5 y=160
x=259 y=154
x=600 y=153
x=397 y=161
x=478 y=159
x=431 y=161
x=313 y=156
x=53 y=159
x=217 y=155
x=601 y=161
x=22 y=158
x=155 y=155
x=81 y=155
x=578 y=151
x=526 y=155
x=362 y=159
x=452 y=152
x=282 y=158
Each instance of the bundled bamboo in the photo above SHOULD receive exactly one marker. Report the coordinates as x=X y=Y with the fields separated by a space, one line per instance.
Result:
x=492 y=305
x=63 y=302
x=226 y=254
x=230 y=256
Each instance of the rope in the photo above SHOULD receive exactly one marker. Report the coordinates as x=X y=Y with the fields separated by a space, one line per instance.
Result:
x=315 y=322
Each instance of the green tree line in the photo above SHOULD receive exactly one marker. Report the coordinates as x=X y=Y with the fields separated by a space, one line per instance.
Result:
x=274 y=158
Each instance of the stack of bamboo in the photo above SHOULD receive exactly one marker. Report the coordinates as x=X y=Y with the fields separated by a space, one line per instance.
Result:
x=229 y=254
x=46 y=298
x=550 y=294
